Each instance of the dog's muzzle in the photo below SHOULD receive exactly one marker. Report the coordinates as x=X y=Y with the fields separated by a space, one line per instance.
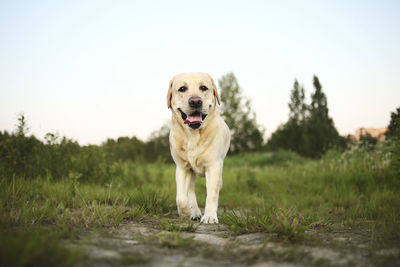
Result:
x=193 y=120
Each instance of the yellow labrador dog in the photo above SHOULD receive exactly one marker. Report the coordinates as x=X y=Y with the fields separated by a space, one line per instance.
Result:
x=199 y=140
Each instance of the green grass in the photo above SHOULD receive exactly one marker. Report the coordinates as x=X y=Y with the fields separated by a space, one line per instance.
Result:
x=171 y=227
x=285 y=222
x=33 y=202
x=279 y=193
x=357 y=186
x=278 y=158
x=36 y=247
x=151 y=201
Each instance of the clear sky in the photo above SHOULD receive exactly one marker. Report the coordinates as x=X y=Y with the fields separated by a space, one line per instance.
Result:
x=92 y=70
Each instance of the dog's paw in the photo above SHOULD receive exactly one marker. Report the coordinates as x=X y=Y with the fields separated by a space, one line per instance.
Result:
x=183 y=209
x=195 y=214
x=209 y=219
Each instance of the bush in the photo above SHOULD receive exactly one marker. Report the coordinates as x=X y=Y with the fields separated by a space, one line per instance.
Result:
x=280 y=157
x=27 y=157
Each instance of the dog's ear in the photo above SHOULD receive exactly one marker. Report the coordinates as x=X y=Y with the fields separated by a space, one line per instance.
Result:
x=169 y=96
x=215 y=89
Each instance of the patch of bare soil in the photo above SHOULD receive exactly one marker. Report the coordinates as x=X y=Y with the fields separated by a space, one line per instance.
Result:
x=146 y=244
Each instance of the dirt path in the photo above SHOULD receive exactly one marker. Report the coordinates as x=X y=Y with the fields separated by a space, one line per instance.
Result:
x=145 y=244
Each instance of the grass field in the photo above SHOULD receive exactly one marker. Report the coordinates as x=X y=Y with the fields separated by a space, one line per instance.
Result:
x=278 y=192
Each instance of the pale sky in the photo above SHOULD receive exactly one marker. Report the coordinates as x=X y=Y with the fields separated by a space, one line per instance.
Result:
x=92 y=70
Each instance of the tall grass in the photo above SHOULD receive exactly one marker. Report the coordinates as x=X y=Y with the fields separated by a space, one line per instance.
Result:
x=356 y=186
x=284 y=222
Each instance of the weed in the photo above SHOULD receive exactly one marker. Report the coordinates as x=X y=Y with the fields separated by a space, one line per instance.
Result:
x=241 y=223
x=137 y=214
x=170 y=227
x=285 y=222
x=151 y=201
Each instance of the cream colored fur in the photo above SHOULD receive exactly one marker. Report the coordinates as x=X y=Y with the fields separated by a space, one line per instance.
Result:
x=197 y=151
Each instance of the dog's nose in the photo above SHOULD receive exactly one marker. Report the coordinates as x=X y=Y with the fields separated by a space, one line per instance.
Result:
x=195 y=102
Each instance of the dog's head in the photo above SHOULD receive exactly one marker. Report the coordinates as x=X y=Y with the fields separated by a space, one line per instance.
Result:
x=192 y=96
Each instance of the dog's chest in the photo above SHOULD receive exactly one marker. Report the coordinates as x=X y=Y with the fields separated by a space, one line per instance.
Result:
x=194 y=152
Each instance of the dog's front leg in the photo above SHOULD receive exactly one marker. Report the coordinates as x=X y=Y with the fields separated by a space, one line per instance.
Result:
x=195 y=212
x=183 y=182
x=214 y=184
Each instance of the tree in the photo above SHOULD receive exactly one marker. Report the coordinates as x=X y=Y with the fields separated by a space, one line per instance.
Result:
x=393 y=135
x=279 y=139
x=158 y=145
x=321 y=133
x=246 y=134
x=291 y=134
x=295 y=127
x=394 y=125
x=319 y=104
x=22 y=128
x=309 y=130
x=297 y=103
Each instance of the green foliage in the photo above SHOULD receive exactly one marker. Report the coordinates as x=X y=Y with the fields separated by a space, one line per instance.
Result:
x=285 y=222
x=134 y=149
x=64 y=203
x=22 y=127
x=309 y=131
x=158 y=145
x=288 y=136
x=395 y=162
x=354 y=186
x=297 y=105
x=321 y=133
x=291 y=135
x=368 y=141
x=125 y=148
x=276 y=158
x=27 y=157
x=151 y=201
x=17 y=154
x=171 y=227
x=56 y=157
x=394 y=125
x=394 y=136
x=246 y=135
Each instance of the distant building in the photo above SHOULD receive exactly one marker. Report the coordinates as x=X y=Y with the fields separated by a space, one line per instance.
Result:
x=378 y=133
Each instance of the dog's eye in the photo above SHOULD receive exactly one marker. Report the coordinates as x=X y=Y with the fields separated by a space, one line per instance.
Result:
x=182 y=89
x=203 y=88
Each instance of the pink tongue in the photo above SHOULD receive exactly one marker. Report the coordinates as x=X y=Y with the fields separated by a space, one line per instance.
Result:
x=193 y=119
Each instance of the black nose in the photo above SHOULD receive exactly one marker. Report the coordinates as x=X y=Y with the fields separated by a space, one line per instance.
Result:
x=195 y=102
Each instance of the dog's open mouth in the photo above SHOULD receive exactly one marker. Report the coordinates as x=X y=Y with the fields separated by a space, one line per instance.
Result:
x=194 y=120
